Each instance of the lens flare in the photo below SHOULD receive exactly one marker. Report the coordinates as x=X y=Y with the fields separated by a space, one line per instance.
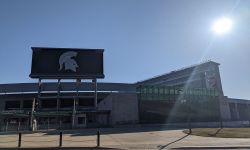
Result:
x=222 y=25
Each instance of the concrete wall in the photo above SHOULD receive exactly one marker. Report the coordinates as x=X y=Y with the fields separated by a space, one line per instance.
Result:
x=123 y=106
x=239 y=109
x=106 y=103
x=224 y=109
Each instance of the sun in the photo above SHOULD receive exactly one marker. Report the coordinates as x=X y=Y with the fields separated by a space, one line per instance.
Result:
x=222 y=25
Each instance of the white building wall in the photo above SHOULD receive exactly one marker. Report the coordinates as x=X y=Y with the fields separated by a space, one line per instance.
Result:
x=123 y=107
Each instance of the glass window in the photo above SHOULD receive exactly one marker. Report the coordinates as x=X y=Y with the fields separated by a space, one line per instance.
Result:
x=27 y=103
x=81 y=120
x=12 y=105
x=49 y=103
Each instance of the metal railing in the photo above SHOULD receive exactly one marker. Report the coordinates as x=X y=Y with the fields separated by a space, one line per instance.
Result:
x=58 y=140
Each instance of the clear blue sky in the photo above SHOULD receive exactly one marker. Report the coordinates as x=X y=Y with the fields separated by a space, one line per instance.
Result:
x=141 y=38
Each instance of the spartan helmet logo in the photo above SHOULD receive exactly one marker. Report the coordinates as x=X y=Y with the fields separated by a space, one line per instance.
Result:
x=68 y=62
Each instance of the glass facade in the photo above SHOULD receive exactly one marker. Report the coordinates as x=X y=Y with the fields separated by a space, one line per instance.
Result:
x=162 y=104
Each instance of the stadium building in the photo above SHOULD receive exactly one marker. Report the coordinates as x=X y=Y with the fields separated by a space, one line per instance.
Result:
x=193 y=94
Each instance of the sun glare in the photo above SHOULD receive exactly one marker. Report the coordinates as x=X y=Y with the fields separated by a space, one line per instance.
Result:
x=222 y=25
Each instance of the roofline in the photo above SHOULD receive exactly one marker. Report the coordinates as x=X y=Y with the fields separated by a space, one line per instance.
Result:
x=63 y=48
x=237 y=99
x=66 y=86
x=177 y=70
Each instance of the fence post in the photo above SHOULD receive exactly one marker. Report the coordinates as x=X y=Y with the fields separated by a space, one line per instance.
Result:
x=60 y=140
x=98 y=138
x=19 y=139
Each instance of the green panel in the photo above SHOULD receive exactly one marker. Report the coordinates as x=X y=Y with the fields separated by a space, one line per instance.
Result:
x=156 y=91
x=166 y=90
x=53 y=113
x=167 y=93
x=171 y=92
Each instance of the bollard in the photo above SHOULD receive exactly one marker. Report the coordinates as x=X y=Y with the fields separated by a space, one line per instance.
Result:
x=98 y=138
x=60 y=140
x=19 y=139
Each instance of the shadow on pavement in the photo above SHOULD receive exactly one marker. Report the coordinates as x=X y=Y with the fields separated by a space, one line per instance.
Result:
x=105 y=131
x=164 y=146
x=215 y=132
x=207 y=148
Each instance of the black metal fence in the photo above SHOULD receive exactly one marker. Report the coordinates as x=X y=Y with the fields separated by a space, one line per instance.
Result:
x=55 y=140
